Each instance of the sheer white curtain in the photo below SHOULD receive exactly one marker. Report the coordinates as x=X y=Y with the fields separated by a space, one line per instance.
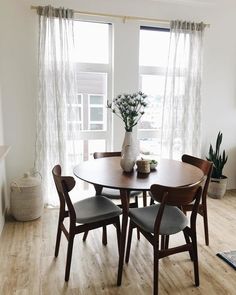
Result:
x=182 y=98
x=55 y=140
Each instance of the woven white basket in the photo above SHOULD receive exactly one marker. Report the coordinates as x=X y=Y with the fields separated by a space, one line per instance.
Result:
x=26 y=198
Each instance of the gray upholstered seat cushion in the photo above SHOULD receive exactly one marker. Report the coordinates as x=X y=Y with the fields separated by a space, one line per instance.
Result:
x=115 y=193
x=173 y=220
x=95 y=209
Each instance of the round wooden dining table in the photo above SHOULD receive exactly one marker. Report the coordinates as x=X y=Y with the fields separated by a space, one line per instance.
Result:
x=106 y=172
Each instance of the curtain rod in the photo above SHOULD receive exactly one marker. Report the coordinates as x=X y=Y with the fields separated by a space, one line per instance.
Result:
x=123 y=17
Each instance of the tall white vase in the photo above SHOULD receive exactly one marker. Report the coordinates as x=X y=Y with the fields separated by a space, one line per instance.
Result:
x=128 y=152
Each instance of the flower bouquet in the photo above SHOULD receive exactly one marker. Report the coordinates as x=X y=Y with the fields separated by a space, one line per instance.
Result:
x=129 y=107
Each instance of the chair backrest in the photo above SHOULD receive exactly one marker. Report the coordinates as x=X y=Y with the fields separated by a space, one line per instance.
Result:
x=175 y=196
x=64 y=184
x=98 y=155
x=206 y=168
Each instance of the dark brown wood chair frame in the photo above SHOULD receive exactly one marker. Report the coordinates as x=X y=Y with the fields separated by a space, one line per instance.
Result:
x=64 y=184
x=206 y=168
x=98 y=155
x=172 y=197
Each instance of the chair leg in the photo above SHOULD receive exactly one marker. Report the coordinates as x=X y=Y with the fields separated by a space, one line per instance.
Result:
x=164 y=242
x=85 y=235
x=69 y=255
x=205 y=221
x=144 y=198
x=138 y=234
x=155 y=269
x=117 y=225
x=151 y=201
x=104 y=235
x=163 y=238
x=136 y=206
x=188 y=242
x=129 y=242
x=167 y=241
x=122 y=248
x=58 y=239
x=195 y=260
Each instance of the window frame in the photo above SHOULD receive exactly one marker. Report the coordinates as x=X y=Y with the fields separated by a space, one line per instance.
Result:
x=80 y=106
x=98 y=106
x=87 y=135
x=154 y=71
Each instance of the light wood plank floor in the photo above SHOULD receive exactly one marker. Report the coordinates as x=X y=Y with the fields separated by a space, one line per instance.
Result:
x=27 y=265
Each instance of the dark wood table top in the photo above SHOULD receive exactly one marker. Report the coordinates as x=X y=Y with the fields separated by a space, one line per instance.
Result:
x=108 y=173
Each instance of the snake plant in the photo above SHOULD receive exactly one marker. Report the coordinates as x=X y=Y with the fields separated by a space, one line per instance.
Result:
x=219 y=160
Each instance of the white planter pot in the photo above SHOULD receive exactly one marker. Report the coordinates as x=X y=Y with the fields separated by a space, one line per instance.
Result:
x=128 y=152
x=217 y=187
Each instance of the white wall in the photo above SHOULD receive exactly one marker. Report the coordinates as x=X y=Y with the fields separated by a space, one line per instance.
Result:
x=18 y=56
x=3 y=185
x=18 y=70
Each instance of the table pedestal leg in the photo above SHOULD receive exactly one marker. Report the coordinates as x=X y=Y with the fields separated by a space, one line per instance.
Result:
x=125 y=206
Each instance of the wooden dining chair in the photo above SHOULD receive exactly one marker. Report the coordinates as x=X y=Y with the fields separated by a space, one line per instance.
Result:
x=164 y=219
x=114 y=194
x=206 y=168
x=84 y=215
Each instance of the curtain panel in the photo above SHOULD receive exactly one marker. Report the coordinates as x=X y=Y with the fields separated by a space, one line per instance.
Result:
x=56 y=96
x=181 y=118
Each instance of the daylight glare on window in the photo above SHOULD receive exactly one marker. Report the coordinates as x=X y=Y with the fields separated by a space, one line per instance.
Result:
x=153 y=57
x=92 y=60
x=91 y=42
x=154 y=47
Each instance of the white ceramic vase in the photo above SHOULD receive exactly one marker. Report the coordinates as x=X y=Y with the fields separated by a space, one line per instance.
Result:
x=128 y=152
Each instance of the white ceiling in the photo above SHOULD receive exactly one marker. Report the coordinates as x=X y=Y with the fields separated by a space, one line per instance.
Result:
x=191 y=2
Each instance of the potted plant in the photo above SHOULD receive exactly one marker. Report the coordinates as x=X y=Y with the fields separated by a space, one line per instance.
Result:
x=217 y=186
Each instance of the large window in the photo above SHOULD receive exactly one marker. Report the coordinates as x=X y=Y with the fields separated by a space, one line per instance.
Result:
x=153 y=54
x=92 y=59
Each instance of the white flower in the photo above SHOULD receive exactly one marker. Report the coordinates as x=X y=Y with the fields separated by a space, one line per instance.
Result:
x=129 y=107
